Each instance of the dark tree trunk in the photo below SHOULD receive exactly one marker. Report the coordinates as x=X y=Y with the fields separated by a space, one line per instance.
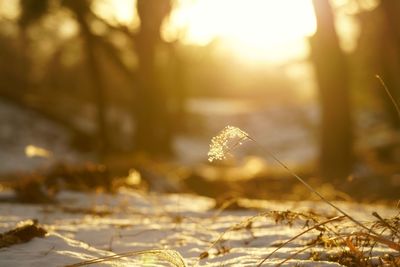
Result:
x=180 y=92
x=389 y=57
x=99 y=92
x=81 y=10
x=24 y=69
x=333 y=81
x=153 y=125
x=31 y=12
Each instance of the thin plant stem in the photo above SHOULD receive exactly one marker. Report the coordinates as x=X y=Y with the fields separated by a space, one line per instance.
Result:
x=385 y=223
x=309 y=187
x=389 y=94
x=298 y=235
x=295 y=254
x=243 y=222
x=391 y=99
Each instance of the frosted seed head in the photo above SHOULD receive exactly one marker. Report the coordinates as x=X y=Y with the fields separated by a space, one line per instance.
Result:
x=226 y=140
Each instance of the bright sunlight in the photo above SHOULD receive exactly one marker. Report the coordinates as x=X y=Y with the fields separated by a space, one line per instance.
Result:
x=263 y=29
x=257 y=30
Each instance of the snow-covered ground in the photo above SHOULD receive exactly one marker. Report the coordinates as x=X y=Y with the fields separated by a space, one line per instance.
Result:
x=21 y=128
x=132 y=222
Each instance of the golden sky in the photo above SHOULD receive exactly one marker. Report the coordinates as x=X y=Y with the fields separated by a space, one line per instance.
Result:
x=254 y=30
x=260 y=30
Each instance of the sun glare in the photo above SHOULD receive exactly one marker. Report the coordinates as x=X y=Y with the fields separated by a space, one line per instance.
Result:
x=256 y=29
x=117 y=11
x=271 y=29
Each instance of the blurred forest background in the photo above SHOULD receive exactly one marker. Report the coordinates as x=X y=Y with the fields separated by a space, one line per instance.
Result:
x=140 y=87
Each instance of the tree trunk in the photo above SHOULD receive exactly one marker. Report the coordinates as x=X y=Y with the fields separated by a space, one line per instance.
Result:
x=152 y=120
x=333 y=82
x=81 y=9
x=389 y=57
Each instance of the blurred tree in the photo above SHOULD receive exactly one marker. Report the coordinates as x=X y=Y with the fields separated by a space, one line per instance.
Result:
x=31 y=12
x=378 y=52
x=388 y=55
x=81 y=10
x=333 y=81
x=152 y=116
x=152 y=108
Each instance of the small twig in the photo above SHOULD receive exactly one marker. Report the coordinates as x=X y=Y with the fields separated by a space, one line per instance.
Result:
x=48 y=251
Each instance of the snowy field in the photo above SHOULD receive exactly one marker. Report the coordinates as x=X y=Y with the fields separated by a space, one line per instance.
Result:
x=84 y=227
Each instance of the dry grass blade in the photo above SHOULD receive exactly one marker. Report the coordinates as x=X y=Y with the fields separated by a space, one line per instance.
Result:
x=385 y=223
x=352 y=247
x=242 y=223
x=389 y=94
x=391 y=244
x=295 y=254
x=170 y=256
x=300 y=234
x=224 y=206
x=237 y=226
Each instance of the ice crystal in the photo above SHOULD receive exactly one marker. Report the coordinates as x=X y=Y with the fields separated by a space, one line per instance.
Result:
x=226 y=140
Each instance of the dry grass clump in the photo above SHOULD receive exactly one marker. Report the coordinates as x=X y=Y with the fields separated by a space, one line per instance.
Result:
x=352 y=245
x=325 y=238
x=355 y=248
x=22 y=233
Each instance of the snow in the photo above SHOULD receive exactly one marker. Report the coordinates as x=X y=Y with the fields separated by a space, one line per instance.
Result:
x=87 y=226
x=20 y=129
x=187 y=224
